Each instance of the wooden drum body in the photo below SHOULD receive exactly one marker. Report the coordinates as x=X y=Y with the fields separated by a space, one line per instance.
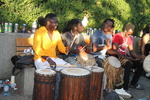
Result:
x=113 y=71
x=74 y=84
x=95 y=82
x=44 y=84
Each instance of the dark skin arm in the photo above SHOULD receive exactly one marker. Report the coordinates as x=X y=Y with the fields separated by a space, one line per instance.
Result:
x=97 y=48
x=50 y=61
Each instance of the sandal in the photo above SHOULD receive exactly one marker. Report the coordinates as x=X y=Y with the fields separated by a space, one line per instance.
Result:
x=137 y=86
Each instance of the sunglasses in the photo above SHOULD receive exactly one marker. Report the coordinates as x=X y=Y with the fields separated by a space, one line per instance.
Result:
x=129 y=34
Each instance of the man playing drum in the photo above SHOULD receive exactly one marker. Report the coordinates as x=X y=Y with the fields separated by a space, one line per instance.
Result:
x=72 y=37
x=123 y=42
x=46 y=39
x=102 y=40
x=145 y=47
x=102 y=44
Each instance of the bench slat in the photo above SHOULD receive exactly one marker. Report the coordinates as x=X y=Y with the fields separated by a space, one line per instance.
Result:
x=23 y=43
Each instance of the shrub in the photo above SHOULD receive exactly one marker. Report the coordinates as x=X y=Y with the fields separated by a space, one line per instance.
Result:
x=122 y=11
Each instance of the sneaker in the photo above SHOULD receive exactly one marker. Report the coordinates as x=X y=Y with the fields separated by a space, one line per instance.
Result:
x=129 y=93
x=123 y=93
x=137 y=86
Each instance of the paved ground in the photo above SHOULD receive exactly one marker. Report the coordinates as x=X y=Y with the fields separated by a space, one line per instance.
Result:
x=138 y=94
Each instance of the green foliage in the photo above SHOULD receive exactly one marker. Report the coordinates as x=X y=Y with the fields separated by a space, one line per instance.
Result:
x=122 y=11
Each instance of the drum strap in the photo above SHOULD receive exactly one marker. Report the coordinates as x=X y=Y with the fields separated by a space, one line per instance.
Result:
x=37 y=81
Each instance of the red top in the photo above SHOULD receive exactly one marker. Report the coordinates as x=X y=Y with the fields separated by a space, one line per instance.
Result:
x=123 y=42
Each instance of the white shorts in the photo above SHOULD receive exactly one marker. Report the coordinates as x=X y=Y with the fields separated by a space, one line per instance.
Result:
x=39 y=64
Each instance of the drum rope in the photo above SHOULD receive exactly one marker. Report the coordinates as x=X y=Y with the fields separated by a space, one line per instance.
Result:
x=114 y=75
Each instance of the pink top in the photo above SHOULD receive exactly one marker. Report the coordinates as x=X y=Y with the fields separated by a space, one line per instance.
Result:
x=123 y=42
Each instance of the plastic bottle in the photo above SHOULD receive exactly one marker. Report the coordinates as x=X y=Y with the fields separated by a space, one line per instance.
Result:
x=94 y=30
x=10 y=28
x=2 y=27
x=34 y=26
x=12 y=79
x=88 y=31
x=6 y=88
x=6 y=27
x=23 y=28
x=16 y=28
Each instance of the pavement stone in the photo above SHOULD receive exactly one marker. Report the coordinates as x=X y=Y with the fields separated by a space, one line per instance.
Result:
x=137 y=94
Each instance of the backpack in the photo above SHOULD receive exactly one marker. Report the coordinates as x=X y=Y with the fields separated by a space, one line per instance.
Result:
x=110 y=94
x=20 y=63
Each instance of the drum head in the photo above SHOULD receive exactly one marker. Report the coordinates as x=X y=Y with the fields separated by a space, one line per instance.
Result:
x=94 y=68
x=44 y=72
x=75 y=71
x=59 y=68
x=114 y=61
x=146 y=64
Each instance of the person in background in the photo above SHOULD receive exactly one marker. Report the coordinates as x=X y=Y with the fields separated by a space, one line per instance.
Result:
x=123 y=42
x=145 y=48
x=102 y=45
x=102 y=41
x=72 y=37
x=45 y=41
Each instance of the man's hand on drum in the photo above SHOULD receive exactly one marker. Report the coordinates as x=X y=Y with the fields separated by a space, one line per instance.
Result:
x=50 y=61
x=121 y=56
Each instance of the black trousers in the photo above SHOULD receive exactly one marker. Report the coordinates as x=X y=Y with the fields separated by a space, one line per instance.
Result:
x=128 y=65
x=138 y=71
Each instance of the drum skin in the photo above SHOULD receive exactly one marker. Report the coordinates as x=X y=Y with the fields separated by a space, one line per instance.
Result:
x=44 y=87
x=113 y=71
x=146 y=64
x=74 y=87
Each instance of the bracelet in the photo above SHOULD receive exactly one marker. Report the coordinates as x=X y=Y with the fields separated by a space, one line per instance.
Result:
x=47 y=58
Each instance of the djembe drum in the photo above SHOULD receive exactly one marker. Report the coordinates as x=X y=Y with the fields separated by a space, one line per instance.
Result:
x=113 y=71
x=95 y=82
x=74 y=84
x=44 y=84
x=146 y=64
x=86 y=59
x=58 y=79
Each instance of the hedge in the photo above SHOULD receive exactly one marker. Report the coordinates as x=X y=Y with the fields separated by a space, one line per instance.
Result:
x=122 y=11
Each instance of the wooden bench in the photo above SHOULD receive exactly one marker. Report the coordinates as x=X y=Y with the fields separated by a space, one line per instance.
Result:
x=23 y=43
x=25 y=79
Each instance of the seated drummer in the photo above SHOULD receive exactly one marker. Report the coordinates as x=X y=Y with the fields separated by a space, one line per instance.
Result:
x=45 y=41
x=72 y=37
x=145 y=48
x=102 y=41
x=102 y=44
x=123 y=42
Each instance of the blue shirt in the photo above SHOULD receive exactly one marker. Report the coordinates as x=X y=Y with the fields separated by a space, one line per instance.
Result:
x=100 y=38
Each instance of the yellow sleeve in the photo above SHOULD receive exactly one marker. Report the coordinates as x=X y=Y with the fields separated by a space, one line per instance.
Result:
x=61 y=46
x=37 y=41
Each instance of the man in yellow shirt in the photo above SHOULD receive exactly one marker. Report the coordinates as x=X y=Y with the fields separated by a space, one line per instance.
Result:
x=46 y=39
